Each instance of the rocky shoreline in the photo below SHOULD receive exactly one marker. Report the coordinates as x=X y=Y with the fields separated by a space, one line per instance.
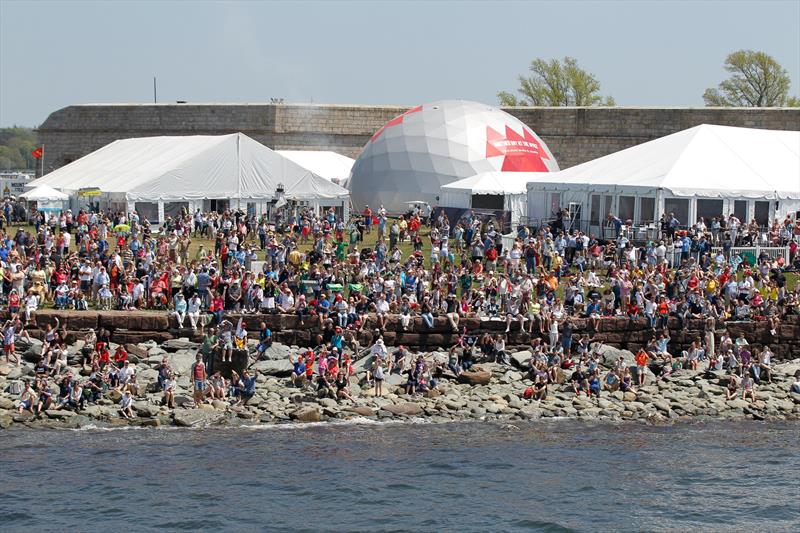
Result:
x=489 y=392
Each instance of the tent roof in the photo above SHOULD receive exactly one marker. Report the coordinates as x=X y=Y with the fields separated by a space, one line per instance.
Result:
x=497 y=182
x=44 y=192
x=329 y=165
x=189 y=167
x=707 y=160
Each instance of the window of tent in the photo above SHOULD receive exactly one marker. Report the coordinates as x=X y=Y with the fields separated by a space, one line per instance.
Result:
x=679 y=207
x=147 y=210
x=173 y=209
x=740 y=210
x=762 y=213
x=626 y=207
x=708 y=209
x=487 y=201
x=647 y=209
x=555 y=203
x=595 y=211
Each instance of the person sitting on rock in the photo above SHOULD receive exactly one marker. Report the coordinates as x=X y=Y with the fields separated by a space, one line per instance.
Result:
x=540 y=389
x=611 y=382
x=126 y=405
x=324 y=387
x=594 y=384
x=248 y=387
x=299 y=372
x=580 y=382
x=732 y=388
x=170 y=387
x=748 y=387
x=342 y=388
x=216 y=386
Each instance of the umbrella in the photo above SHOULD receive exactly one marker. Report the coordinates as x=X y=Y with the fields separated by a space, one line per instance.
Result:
x=412 y=202
x=122 y=227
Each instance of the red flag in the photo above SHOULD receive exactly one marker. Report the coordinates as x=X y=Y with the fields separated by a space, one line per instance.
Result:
x=38 y=153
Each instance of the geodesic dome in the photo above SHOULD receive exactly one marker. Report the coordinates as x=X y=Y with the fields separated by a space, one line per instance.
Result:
x=414 y=154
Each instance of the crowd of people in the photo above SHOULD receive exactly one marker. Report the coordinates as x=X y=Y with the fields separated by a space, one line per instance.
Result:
x=341 y=276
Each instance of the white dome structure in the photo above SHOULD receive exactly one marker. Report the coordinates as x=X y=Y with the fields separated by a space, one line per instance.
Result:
x=434 y=144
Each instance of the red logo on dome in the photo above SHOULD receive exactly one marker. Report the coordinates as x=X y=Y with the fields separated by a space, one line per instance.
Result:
x=395 y=121
x=523 y=153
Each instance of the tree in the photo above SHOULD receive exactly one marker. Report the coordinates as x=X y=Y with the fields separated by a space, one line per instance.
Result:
x=556 y=83
x=16 y=145
x=757 y=80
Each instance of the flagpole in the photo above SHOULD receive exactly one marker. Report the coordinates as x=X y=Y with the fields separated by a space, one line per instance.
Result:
x=42 y=161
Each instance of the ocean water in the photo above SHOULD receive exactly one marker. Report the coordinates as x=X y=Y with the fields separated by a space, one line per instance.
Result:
x=531 y=476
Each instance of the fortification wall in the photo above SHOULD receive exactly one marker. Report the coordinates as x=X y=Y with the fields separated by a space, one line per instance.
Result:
x=575 y=135
x=141 y=326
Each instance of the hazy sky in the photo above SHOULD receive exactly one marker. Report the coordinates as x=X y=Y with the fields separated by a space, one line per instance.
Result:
x=53 y=54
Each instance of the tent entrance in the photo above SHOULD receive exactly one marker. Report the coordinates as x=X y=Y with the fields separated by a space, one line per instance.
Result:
x=488 y=201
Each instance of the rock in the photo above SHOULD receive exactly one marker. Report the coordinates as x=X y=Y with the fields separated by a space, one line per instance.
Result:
x=145 y=410
x=662 y=405
x=60 y=414
x=174 y=345
x=629 y=396
x=197 y=417
x=278 y=368
x=181 y=362
x=150 y=423
x=404 y=409
x=219 y=404
x=362 y=411
x=521 y=359
x=330 y=403
x=476 y=377
x=608 y=355
x=306 y=414
x=5 y=403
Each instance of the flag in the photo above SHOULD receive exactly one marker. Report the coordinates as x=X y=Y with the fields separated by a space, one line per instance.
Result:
x=38 y=153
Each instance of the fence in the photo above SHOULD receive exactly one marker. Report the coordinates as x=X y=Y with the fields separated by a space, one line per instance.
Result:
x=752 y=253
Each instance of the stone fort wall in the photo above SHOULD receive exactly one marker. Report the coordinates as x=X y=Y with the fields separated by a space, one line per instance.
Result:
x=575 y=135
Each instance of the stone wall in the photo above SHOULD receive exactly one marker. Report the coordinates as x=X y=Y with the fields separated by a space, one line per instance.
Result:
x=135 y=327
x=575 y=135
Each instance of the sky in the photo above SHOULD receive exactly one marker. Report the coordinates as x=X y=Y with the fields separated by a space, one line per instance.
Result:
x=660 y=53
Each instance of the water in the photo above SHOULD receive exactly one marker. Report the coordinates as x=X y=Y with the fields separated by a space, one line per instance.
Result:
x=555 y=476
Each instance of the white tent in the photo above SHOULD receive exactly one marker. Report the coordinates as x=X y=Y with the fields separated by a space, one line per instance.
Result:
x=46 y=198
x=703 y=171
x=329 y=165
x=44 y=193
x=495 y=190
x=189 y=172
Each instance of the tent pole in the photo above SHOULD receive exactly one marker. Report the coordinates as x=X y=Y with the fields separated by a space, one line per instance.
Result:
x=238 y=174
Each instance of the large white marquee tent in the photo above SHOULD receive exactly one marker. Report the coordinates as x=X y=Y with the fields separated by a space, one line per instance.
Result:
x=329 y=165
x=703 y=171
x=160 y=175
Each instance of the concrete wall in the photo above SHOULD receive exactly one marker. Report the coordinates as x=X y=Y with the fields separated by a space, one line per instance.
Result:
x=574 y=135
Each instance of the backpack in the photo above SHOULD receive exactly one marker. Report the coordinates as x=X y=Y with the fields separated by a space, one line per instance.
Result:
x=528 y=394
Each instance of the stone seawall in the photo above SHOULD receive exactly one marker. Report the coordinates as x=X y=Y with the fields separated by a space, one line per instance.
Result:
x=575 y=135
x=143 y=326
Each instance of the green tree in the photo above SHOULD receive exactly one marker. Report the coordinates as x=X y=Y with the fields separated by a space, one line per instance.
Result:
x=556 y=83
x=16 y=145
x=756 y=80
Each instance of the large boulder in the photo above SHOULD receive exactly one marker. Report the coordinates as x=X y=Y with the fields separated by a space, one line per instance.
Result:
x=278 y=368
x=404 y=409
x=173 y=345
x=197 y=417
x=608 y=355
x=306 y=414
x=182 y=361
x=478 y=376
x=521 y=359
